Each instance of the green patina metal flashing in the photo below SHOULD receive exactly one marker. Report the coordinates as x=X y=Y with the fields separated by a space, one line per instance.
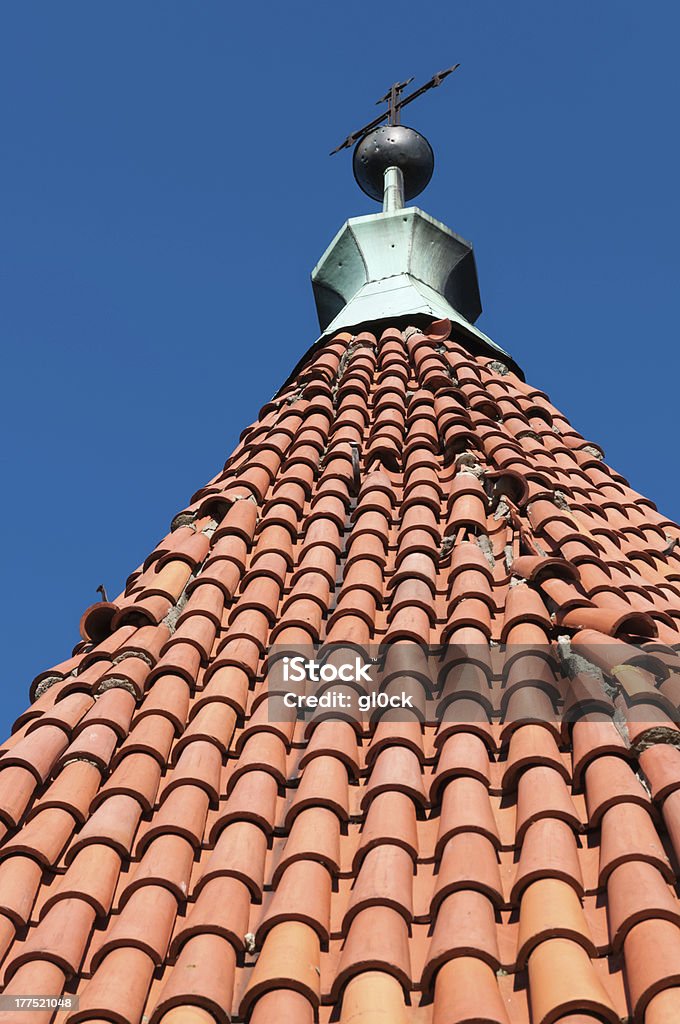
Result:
x=403 y=263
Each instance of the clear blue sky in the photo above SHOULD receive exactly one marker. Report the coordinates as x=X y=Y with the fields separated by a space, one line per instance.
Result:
x=165 y=190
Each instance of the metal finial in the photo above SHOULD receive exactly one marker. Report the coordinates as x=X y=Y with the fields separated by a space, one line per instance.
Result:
x=395 y=104
x=391 y=162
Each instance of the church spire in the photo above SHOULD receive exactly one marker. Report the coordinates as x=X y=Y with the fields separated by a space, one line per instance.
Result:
x=494 y=836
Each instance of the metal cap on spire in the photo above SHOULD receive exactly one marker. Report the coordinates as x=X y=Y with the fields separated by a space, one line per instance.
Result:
x=400 y=266
x=393 y=163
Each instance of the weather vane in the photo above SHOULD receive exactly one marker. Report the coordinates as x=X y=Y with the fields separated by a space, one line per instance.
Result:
x=392 y=163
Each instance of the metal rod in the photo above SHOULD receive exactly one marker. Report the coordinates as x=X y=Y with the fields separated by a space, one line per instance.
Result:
x=435 y=81
x=395 y=92
x=393 y=196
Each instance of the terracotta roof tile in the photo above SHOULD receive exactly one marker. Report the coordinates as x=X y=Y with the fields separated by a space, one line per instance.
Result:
x=177 y=850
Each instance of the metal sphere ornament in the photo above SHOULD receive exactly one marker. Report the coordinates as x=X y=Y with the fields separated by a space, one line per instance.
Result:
x=393 y=145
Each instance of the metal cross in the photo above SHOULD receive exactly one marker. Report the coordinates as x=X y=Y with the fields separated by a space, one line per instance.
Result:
x=394 y=105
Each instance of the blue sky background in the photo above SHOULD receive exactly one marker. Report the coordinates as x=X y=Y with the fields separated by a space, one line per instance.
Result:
x=165 y=190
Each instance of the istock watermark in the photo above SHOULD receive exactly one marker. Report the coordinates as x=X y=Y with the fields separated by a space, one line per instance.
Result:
x=336 y=680
x=299 y=669
x=486 y=684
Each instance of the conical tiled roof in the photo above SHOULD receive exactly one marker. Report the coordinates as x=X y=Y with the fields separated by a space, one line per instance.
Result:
x=173 y=852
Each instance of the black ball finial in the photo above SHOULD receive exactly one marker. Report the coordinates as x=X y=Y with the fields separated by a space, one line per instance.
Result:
x=393 y=146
